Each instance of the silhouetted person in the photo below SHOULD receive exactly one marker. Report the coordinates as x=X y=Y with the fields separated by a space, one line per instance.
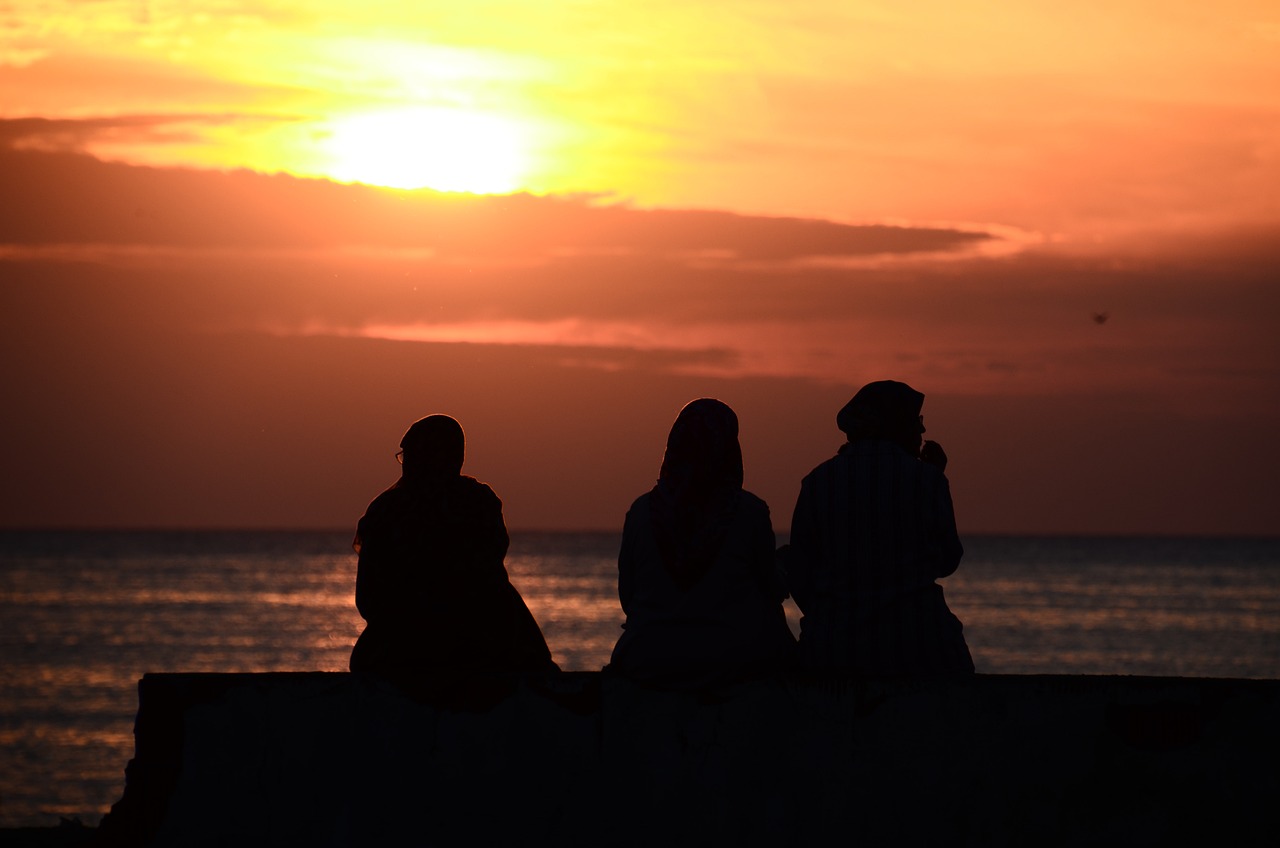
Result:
x=696 y=571
x=431 y=583
x=873 y=530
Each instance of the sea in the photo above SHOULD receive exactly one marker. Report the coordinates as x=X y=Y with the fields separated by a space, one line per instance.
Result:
x=83 y=615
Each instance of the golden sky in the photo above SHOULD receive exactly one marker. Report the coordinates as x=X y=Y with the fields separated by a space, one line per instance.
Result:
x=1078 y=119
x=1059 y=221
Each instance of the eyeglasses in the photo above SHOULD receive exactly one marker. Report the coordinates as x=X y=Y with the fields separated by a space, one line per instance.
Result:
x=400 y=457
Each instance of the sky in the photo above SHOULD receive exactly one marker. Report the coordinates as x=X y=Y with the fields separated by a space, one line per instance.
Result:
x=244 y=245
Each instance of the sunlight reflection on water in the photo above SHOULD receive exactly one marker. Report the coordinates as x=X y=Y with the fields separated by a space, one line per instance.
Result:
x=84 y=615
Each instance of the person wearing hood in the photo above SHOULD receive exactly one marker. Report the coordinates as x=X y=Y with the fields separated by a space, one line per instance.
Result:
x=696 y=573
x=431 y=582
x=873 y=531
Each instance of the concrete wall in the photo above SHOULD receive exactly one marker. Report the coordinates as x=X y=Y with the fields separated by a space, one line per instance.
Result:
x=589 y=759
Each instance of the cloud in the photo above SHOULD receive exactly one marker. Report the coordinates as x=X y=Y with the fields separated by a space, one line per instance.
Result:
x=79 y=135
x=1105 y=118
x=64 y=198
x=194 y=348
x=188 y=348
x=700 y=292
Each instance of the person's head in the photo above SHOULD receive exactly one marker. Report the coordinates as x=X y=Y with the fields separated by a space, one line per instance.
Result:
x=432 y=447
x=885 y=409
x=703 y=445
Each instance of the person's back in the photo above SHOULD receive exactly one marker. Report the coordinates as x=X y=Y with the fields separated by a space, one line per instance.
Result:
x=726 y=625
x=696 y=570
x=431 y=583
x=873 y=529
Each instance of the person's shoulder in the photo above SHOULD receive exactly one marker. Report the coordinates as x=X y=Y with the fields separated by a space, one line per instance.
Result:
x=638 y=514
x=823 y=468
x=386 y=499
x=752 y=502
x=383 y=510
x=476 y=489
x=641 y=503
x=908 y=465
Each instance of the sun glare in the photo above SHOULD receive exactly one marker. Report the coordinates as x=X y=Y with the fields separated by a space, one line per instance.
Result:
x=443 y=149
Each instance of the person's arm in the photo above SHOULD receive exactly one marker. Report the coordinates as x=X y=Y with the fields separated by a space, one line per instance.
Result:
x=494 y=540
x=933 y=454
x=380 y=590
x=952 y=550
x=367 y=591
x=765 y=558
x=799 y=553
x=626 y=563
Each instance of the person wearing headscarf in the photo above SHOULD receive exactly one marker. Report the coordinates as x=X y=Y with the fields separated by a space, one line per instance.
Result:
x=696 y=572
x=873 y=531
x=431 y=583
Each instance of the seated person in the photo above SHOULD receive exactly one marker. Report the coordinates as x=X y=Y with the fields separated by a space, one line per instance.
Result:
x=873 y=530
x=696 y=571
x=431 y=583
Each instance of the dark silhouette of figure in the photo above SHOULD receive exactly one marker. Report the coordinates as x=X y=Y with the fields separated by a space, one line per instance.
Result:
x=431 y=583
x=873 y=530
x=696 y=572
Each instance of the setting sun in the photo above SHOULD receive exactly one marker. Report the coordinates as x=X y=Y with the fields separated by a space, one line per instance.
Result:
x=442 y=149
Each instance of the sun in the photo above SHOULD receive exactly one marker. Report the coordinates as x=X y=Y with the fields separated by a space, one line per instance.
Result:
x=439 y=148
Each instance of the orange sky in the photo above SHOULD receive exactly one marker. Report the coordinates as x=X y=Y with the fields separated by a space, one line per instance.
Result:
x=1061 y=118
x=944 y=193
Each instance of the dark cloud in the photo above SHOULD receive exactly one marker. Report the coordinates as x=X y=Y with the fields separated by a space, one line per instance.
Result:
x=66 y=198
x=620 y=358
x=77 y=135
x=197 y=360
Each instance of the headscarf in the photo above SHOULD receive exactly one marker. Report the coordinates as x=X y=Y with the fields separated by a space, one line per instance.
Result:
x=433 y=447
x=885 y=409
x=697 y=488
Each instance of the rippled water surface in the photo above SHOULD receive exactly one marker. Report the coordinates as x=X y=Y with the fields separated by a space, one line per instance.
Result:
x=84 y=615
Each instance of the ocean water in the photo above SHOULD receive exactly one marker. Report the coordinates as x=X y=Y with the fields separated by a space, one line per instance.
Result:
x=84 y=615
